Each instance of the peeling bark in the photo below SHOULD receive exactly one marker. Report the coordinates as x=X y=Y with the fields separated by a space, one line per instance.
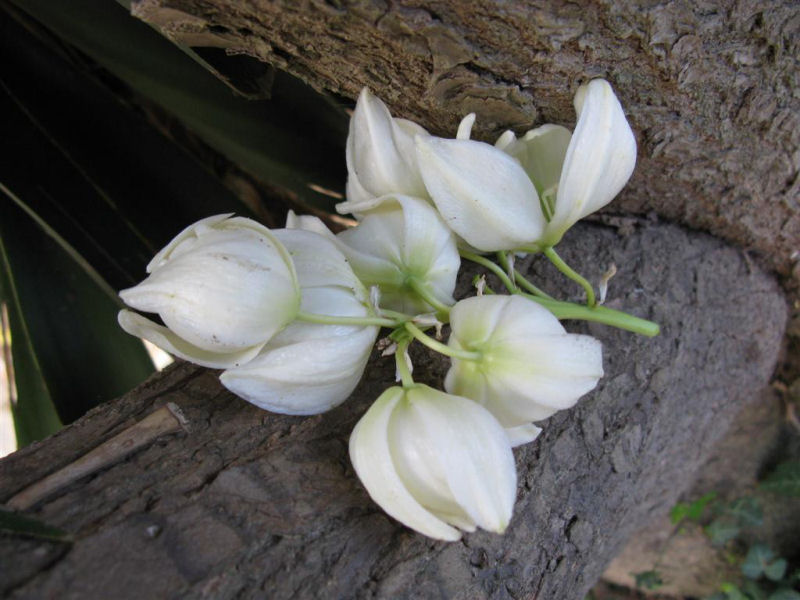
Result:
x=708 y=86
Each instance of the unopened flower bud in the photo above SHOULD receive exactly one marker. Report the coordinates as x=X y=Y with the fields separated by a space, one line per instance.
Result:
x=309 y=368
x=223 y=287
x=435 y=462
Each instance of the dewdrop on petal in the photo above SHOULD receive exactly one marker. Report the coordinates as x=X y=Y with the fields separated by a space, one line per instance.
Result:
x=529 y=366
x=435 y=462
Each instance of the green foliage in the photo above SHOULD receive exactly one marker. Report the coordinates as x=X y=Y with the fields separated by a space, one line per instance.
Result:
x=89 y=191
x=69 y=354
x=759 y=558
x=784 y=480
x=746 y=511
x=648 y=580
x=265 y=137
x=722 y=530
x=16 y=524
x=691 y=511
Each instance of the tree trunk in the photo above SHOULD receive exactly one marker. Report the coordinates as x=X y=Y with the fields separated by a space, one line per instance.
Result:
x=250 y=504
x=709 y=87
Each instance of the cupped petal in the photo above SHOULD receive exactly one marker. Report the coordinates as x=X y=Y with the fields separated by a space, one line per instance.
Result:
x=234 y=289
x=552 y=371
x=399 y=239
x=139 y=326
x=379 y=150
x=599 y=161
x=319 y=262
x=473 y=451
x=308 y=223
x=371 y=455
x=189 y=233
x=529 y=366
x=482 y=193
x=541 y=153
x=522 y=434
x=304 y=378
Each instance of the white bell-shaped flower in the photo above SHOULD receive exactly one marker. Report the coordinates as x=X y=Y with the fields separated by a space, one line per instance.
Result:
x=401 y=243
x=529 y=366
x=223 y=287
x=483 y=194
x=435 y=462
x=309 y=368
x=380 y=153
x=577 y=174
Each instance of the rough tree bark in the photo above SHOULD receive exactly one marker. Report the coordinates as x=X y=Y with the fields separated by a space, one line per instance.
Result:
x=251 y=504
x=709 y=86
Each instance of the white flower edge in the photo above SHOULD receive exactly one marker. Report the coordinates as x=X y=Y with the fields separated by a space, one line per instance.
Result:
x=533 y=366
x=482 y=193
x=599 y=160
x=472 y=450
x=304 y=378
x=142 y=327
x=380 y=152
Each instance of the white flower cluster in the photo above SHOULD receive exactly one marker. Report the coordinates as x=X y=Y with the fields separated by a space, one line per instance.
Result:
x=292 y=315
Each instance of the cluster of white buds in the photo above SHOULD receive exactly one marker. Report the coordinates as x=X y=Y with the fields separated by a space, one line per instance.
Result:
x=293 y=314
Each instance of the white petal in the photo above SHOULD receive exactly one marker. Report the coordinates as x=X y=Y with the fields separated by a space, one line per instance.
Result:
x=304 y=378
x=234 y=289
x=319 y=262
x=482 y=193
x=167 y=340
x=474 y=452
x=541 y=153
x=418 y=462
x=599 y=161
x=475 y=319
x=551 y=371
x=523 y=434
x=354 y=192
x=372 y=459
x=307 y=223
x=531 y=366
x=465 y=127
x=402 y=237
x=190 y=232
x=379 y=149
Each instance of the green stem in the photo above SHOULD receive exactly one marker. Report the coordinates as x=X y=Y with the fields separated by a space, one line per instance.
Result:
x=439 y=347
x=598 y=314
x=493 y=267
x=559 y=263
x=524 y=283
x=519 y=278
x=423 y=292
x=402 y=366
x=399 y=317
x=502 y=258
x=532 y=249
x=339 y=320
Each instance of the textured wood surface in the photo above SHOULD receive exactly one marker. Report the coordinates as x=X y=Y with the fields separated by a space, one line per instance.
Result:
x=709 y=87
x=250 y=504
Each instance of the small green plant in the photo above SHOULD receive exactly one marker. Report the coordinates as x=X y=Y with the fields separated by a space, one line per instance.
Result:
x=764 y=574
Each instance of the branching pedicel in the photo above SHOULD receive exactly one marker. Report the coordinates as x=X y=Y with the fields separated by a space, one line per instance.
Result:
x=292 y=315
